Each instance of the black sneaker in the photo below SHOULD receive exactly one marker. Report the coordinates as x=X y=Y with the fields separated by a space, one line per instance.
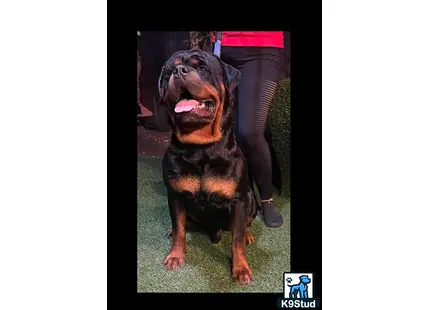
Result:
x=272 y=218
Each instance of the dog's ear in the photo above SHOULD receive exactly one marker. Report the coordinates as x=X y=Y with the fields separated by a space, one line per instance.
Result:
x=232 y=76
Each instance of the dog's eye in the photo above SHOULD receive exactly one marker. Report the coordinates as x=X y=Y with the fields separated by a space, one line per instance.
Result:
x=203 y=69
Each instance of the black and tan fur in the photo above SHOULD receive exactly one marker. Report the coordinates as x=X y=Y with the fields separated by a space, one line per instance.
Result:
x=204 y=169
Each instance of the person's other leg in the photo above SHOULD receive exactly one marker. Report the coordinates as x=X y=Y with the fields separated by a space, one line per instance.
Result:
x=260 y=77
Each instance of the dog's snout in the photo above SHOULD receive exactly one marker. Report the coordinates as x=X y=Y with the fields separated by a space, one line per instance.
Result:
x=180 y=70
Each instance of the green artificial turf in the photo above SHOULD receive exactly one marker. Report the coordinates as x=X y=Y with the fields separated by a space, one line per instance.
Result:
x=207 y=267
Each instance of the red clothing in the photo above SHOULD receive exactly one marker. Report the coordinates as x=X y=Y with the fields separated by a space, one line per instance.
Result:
x=252 y=38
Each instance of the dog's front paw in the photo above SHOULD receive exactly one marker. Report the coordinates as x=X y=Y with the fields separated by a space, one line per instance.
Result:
x=174 y=260
x=242 y=275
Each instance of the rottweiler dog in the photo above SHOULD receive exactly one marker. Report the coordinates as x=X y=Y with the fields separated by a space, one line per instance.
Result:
x=204 y=170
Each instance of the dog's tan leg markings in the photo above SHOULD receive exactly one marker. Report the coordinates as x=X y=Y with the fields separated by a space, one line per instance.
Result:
x=222 y=186
x=241 y=272
x=185 y=184
x=176 y=257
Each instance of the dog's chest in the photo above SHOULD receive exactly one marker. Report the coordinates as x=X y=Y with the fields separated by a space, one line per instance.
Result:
x=204 y=180
x=205 y=186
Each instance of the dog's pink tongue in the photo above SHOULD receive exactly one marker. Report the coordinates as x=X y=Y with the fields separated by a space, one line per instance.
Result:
x=185 y=105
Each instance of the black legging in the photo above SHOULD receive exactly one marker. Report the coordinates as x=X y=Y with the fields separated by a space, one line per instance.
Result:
x=261 y=70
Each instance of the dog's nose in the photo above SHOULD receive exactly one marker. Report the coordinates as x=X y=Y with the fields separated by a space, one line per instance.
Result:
x=180 y=70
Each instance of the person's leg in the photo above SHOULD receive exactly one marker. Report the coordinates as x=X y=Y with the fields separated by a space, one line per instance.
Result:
x=260 y=76
x=238 y=58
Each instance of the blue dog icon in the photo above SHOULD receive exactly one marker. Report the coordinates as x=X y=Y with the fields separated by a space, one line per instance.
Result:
x=300 y=288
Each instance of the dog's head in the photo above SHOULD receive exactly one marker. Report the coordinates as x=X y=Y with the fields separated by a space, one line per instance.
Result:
x=305 y=279
x=196 y=87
